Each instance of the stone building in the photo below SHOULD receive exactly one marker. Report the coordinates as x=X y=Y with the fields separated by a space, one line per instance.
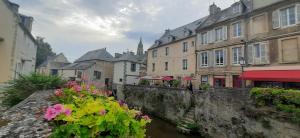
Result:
x=128 y=67
x=264 y=34
x=93 y=67
x=53 y=64
x=173 y=54
x=17 y=45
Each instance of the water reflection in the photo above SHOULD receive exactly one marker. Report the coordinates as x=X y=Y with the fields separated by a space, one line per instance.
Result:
x=161 y=129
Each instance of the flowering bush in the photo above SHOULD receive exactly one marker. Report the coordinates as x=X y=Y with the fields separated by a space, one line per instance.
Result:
x=87 y=112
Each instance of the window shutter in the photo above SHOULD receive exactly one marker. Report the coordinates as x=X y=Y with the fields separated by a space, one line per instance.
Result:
x=213 y=36
x=225 y=33
x=199 y=39
x=298 y=12
x=276 y=19
x=208 y=37
x=210 y=58
x=250 y=54
x=199 y=60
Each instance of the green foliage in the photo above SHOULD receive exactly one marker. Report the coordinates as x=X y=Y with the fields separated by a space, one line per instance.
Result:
x=176 y=83
x=94 y=114
x=204 y=86
x=24 y=86
x=193 y=127
x=144 y=82
x=44 y=51
x=284 y=100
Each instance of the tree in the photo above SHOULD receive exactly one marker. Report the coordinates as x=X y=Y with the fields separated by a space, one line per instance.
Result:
x=44 y=51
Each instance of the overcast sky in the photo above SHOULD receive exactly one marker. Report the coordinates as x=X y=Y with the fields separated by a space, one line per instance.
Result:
x=77 y=26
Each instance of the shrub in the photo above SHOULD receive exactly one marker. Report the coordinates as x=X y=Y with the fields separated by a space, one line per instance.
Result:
x=176 y=83
x=87 y=112
x=144 y=82
x=204 y=86
x=284 y=100
x=24 y=86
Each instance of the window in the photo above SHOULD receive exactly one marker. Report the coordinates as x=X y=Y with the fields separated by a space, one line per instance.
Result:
x=166 y=66
x=79 y=74
x=154 y=53
x=120 y=80
x=257 y=51
x=97 y=75
x=204 y=79
x=219 y=34
x=204 y=38
x=153 y=67
x=133 y=67
x=219 y=57
x=193 y=43
x=167 y=51
x=288 y=16
x=236 y=8
x=185 y=47
x=237 y=29
x=204 y=59
x=237 y=54
x=184 y=64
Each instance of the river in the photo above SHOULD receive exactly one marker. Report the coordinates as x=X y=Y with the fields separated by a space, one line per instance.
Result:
x=159 y=128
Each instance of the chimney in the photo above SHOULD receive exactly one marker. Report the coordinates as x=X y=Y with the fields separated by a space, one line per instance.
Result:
x=27 y=22
x=15 y=7
x=213 y=9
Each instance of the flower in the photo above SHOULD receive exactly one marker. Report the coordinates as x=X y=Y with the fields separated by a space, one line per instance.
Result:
x=58 y=92
x=59 y=108
x=109 y=93
x=138 y=113
x=50 y=113
x=68 y=112
x=145 y=117
x=121 y=102
x=77 y=88
x=102 y=112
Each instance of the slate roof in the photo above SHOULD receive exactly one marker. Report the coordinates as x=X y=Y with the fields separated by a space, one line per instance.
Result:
x=178 y=33
x=100 y=54
x=79 y=66
x=50 y=59
x=131 y=57
x=226 y=14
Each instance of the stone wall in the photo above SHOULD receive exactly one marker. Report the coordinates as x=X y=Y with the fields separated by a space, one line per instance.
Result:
x=2 y=95
x=170 y=104
x=220 y=113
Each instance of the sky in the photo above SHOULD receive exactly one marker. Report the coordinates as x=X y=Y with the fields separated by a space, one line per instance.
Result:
x=74 y=27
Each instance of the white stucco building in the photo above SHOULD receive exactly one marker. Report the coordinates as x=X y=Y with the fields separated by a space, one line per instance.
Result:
x=17 y=45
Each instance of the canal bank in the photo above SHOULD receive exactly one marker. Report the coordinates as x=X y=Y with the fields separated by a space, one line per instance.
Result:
x=218 y=113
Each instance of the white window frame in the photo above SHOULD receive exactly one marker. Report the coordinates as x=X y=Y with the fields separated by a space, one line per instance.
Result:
x=203 y=81
x=201 y=59
x=154 y=53
x=235 y=29
x=184 y=64
x=239 y=55
x=219 y=55
x=237 y=8
x=288 y=16
x=219 y=35
x=204 y=38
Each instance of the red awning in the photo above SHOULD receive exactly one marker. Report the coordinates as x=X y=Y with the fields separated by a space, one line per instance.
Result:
x=167 y=78
x=188 y=78
x=272 y=75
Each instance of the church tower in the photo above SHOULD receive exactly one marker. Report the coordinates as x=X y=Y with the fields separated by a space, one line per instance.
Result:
x=140 y=49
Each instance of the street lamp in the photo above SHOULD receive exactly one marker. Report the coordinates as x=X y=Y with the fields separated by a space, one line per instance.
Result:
x=243 y=64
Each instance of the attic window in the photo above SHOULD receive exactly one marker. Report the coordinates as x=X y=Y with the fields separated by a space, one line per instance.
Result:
x=157 y=42
x=236 y=8
x=187 y=32
x=171 y=38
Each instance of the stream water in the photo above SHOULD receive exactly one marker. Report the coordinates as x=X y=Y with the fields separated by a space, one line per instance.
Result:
x=162 y=129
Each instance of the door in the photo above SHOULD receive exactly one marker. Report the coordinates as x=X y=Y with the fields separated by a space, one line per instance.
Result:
x=237 y=81
x=219 y=82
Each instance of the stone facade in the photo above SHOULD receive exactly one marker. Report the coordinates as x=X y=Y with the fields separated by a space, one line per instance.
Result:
x=17 y=45
x=53 y=64
x=220 y=113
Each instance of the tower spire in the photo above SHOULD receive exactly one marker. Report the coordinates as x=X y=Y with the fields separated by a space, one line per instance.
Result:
x=140 y=49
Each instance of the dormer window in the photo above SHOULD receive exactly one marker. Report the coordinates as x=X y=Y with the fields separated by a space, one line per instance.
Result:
x=187 y=32
x=237 y=8
x=171 y=38
x=157 y=42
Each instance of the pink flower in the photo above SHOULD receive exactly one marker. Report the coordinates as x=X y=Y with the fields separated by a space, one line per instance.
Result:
x=145 y=117
x=59 y=108
x=58 y=92
x=109 y=93
x=50 y=113
x=138 y=113
x=77 y=88
x=68 y=112
x=102 y=112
